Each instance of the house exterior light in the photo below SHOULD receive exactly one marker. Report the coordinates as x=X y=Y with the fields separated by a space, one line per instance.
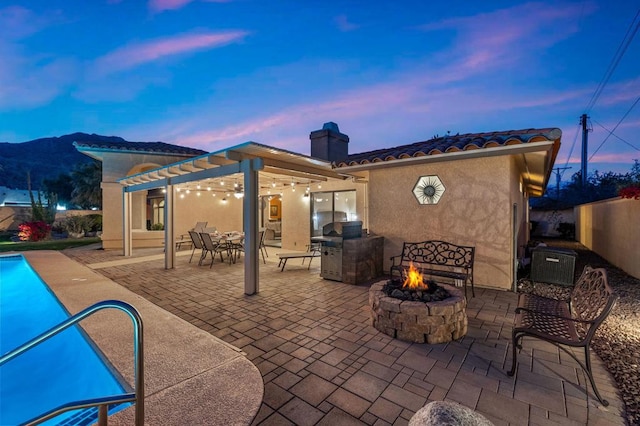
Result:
x=428 y=189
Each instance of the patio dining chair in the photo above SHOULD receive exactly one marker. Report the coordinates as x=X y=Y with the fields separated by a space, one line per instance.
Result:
x=197 y=244
x=237 y=247
x=263 y=248
x=212 y=247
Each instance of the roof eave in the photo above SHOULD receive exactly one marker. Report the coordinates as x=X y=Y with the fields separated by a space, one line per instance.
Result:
x=97 y=153
x=535 y=180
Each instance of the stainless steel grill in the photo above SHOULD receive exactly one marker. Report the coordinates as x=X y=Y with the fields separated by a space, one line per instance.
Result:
x=332 y=236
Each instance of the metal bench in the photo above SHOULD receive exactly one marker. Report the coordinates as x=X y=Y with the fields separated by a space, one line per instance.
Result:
x=437 y=258
x=563 y=323
x=297 y=255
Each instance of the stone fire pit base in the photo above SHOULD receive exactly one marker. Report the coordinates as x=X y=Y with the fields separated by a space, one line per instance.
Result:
x=432 y=322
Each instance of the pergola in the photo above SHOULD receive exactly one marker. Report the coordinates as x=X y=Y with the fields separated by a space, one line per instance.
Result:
x=246 y=160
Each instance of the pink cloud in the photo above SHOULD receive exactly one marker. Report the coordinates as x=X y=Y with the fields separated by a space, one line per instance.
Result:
x=623 y=92
x=161 y=5
x=490 y=40
x=137 y=54
x=344 y=25
x=22 y=86
x=275 y=129
x=17 y=22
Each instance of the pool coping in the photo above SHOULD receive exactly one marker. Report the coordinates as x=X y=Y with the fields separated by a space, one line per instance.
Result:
x=191 y=377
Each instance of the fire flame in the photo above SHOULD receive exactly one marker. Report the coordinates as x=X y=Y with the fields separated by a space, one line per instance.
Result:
x=414 y=279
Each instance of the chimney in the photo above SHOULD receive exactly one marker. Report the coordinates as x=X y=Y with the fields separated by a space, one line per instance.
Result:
x=329 y=144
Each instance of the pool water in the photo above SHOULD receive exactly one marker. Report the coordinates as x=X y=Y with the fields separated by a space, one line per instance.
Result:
x=63 y=369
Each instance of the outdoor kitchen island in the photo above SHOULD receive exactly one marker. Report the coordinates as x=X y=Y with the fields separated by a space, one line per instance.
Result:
x=347 y=255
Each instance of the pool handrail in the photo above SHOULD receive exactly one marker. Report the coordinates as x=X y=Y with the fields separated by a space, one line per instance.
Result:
x=137 y=396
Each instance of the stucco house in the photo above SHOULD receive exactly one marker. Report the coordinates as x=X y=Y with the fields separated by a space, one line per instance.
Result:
x=469 y=189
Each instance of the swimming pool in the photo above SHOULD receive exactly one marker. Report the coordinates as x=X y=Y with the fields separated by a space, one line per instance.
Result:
x=63 y=369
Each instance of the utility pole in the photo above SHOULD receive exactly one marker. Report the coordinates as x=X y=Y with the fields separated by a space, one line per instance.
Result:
x=557 y=172
x=585 y=132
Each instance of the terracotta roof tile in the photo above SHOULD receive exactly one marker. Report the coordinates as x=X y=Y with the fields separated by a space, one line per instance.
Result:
x=453 y=143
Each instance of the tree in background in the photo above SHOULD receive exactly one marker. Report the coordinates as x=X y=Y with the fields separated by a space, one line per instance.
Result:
x=86 y=179
x=600 y=186
x=62 y=187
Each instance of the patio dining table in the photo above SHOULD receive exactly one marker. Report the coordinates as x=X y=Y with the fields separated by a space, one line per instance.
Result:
x=230 y=241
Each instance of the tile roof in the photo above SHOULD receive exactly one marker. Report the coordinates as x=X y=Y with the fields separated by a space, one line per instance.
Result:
x=150 y=147
x=453 y=143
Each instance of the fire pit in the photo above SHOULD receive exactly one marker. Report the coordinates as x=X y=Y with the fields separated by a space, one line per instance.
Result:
x=418 y=311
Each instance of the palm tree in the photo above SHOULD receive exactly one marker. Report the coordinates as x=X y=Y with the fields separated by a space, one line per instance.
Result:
x=86 y=180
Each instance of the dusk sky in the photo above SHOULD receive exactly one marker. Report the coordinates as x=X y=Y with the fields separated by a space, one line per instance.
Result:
x=212 y=74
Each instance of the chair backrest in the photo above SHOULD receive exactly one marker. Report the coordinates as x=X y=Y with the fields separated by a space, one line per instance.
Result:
x=209 y=229
x=200 y=226
x=591 y=300
x=207 y=241
x=195 y=238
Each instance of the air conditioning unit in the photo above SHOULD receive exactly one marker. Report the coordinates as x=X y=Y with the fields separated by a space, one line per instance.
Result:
x=553 y=265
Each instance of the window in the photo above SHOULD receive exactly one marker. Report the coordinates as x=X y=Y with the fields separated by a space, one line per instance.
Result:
x=155 y=209
x=331 y=206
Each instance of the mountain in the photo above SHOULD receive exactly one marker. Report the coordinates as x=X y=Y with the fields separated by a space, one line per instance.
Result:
x=44 y=158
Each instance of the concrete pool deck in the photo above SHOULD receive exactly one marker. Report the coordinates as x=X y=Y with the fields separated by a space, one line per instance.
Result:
x=323 y=363
x=191 y=377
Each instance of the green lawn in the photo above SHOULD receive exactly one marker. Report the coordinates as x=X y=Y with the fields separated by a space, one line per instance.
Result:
x=6 y=246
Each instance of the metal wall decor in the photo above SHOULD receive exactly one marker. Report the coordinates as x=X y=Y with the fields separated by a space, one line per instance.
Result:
x=428 y=189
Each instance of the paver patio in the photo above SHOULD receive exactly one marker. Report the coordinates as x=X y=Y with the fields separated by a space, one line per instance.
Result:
x=323 y=363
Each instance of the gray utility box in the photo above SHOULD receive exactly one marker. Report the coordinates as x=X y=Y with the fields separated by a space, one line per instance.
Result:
x=553 y=265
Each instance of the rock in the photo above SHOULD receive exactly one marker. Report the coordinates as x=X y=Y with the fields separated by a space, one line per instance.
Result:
x=444 y=413
x=398 y=294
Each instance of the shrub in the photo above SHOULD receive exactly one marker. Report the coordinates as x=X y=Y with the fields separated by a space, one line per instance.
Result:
x=157 y=227
x=34 y=231
x=567 y=230
x=76 y=224
x=96 y=222
x=630 y=192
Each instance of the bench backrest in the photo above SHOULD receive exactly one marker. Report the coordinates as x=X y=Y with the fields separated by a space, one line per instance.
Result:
x=438 y=253
x=591 y=300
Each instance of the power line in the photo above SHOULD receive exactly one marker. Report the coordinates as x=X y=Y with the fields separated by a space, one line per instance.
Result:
x=616 y=136
x=631 y=32
x=616 y=126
